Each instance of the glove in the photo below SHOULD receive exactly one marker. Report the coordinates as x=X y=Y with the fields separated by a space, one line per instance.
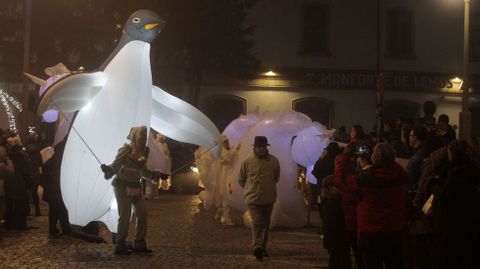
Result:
x=157 y=174
x=164 y=176
x=107 y=170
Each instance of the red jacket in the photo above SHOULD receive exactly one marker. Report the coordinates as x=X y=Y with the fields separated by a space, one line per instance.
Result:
x=345 y=182
x=381 y=200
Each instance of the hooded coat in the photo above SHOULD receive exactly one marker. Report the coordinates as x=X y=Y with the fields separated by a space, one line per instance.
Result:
x=129 y=165
x=381 y=199
x=345 y=182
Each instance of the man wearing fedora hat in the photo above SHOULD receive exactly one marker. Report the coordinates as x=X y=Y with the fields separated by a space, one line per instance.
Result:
x=259 y=175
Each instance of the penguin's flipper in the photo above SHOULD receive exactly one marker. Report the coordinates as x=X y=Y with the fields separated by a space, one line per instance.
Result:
x=35 y=79
x=72 y=92
x=183 y=122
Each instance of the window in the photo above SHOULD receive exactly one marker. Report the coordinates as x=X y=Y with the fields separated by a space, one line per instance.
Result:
x=315 y=29
x=400 y=35
x=317 y=109
x=223 y=109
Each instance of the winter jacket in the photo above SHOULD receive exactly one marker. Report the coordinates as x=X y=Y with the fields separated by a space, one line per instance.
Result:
x=6 y=169
x=323 y=167
x=333 y=224
x=345 y=182
x=16 y=184
x=414 y=169
x=129 y=166
x=433 y=165
x=259 y=177
x=381 y=199
x=456 y=234
x=36 y=160
x=50 y=179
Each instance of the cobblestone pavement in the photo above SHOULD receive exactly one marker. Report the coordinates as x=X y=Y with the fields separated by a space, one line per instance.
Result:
x=181 y=236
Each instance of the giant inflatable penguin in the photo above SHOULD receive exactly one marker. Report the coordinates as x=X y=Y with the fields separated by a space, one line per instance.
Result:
x=109 y=102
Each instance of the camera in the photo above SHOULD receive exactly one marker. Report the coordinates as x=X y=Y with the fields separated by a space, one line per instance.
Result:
x=361 y=149
x=364 y=151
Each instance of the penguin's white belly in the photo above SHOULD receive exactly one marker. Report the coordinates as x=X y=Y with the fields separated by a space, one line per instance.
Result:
x=104 y=125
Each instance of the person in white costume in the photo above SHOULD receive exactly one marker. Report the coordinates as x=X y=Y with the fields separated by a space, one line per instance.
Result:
x=206 y=165
x=160 y=160
x=166 y=162
x=223 y=181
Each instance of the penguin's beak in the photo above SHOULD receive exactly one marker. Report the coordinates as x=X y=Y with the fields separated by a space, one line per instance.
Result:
x=151 y=26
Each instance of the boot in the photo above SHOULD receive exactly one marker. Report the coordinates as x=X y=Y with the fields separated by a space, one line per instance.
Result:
x=121 y=248
x=141 y=247
x=258 y=253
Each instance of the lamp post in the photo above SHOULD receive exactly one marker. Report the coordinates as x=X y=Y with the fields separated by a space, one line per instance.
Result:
x=24 y=116
x=465 y=115
x=380 y=87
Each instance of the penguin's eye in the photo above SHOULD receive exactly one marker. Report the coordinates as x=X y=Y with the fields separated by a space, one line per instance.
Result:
x=136 y=20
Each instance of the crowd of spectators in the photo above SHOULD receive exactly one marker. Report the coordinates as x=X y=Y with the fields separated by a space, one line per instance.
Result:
x=20 y=171
x=422 y=214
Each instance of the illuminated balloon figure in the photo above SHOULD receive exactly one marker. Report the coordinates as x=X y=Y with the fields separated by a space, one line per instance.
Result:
x=109 y=102
x=55 y=73
x=294 y=139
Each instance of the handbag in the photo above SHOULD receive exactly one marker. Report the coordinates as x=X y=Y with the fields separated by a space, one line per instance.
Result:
x=428 y=206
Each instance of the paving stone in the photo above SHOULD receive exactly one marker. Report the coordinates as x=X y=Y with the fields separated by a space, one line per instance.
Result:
x=181 y=236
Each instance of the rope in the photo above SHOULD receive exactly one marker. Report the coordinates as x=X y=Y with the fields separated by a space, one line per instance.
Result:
x=81 y=138
x=190 y=162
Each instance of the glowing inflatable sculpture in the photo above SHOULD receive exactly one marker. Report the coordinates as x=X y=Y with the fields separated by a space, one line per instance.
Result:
x=55 y=73
x=294 y=139
x=309 y=145
x=109 y=102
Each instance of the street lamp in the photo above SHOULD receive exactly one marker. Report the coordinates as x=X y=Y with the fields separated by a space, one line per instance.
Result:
x=24 y=116
x=465 y=115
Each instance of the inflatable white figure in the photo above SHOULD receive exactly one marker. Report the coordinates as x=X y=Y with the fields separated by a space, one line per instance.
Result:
x=238 y=127
x=282 y=130
x=55 y=73
x=309 y=145
x=109 y=102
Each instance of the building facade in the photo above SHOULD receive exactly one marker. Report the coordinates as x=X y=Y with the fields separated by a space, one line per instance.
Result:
x=324 y=57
